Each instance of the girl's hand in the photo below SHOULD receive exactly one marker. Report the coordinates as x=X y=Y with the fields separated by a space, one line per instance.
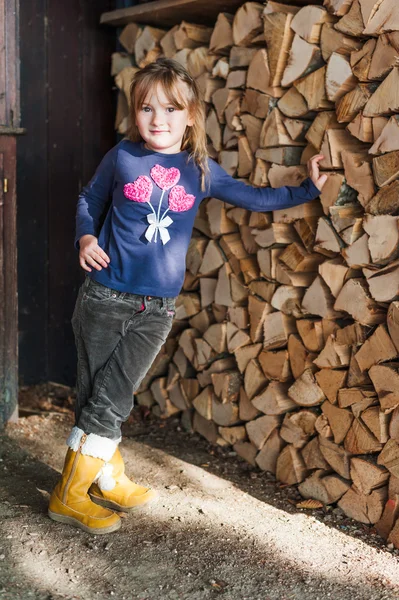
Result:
x=314 y=172
x=91 y=254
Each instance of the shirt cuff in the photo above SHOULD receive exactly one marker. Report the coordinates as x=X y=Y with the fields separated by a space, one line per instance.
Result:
x=312 y=189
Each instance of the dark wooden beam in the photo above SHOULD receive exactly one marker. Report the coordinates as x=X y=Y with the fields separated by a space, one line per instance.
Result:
x=166 y=13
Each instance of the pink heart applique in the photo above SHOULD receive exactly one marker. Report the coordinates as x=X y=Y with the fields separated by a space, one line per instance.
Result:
x=140 y=190
x=179 y=200
x=165 y=178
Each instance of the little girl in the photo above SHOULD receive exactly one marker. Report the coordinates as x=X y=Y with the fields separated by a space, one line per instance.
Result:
x=134 y=224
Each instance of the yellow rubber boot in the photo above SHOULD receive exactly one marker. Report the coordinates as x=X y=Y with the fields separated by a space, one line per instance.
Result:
x=70 y=502
x=126 y=495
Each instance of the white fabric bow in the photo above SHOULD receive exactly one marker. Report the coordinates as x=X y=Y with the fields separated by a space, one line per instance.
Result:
x=158 y=225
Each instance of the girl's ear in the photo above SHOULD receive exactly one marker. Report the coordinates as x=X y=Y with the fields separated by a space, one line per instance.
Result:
x=190 y=120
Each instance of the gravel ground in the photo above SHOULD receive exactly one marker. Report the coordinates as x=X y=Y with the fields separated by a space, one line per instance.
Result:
x=220 y=527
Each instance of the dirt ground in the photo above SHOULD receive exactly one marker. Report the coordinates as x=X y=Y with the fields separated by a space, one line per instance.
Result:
x=220 y=527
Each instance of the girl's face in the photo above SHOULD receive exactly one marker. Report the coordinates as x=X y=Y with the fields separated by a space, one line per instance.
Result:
x=162 y=125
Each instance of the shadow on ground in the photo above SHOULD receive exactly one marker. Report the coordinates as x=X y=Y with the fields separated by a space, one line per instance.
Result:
x=216 y=530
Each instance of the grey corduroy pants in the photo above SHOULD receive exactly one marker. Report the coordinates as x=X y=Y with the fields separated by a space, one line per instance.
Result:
x=117 y=335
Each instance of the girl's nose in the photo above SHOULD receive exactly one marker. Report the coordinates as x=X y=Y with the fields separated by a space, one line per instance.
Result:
x=157 y=118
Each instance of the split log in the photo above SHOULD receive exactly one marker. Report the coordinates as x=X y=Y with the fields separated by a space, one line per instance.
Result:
x=389 y=457
x=385 y=526
x=360 y=60
x=167 y=43
x=222 y=35
x=305 y=391
x=383 y=234
x=277 y=329
x=336 y=140
x=384 y=55
x=311 y=333
x=355 y=300
x=203 y=403
x=385 y=99
x=367 y=475
x=333 y=355
x=303 y=59
x=298 y=427
x=359 y=176
x=278 y=35
x=254 y=379
x=362 y=128
x=313 y=89
x=325 y=488
x=208 y=429
x=384 y=20
x=338 y=7
x=224 y=414
x=266 y=459
x=360 y=440
x=318 y=300
x=385 y=201
x=247 y=23
x=376 y=349
x=357 y=255
x=246 y=354
x=190 y=35
x=290 y=467
x=364 y=508
x=247 y=451
x=335 y=273
x=333 y=40
x=129 y=35
x=308 y=22
x=233 y=435
x=274 y=399
x=336 y=456
x=311 y=453
x=339 y=77
x=293 y=104
x=330 y=382
x=247 y=411
x=261 y=428
x=388 y=140
x=256 y=103
x=383 y=283
x=393 y=323
x=275 y=365
x=377 y=422
x=147 y=48
x=386 y=168
x=226 y=385
x=385 y=379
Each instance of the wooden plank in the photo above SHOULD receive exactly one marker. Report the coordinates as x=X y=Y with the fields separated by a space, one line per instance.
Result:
x=11 y=23
x=2 y=287
x=8 y=283
x=166 y=13
x=80 y=132
x=3 y=67
x=32 y=216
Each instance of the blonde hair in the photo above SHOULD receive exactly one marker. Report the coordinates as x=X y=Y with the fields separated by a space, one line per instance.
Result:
x=168 y=73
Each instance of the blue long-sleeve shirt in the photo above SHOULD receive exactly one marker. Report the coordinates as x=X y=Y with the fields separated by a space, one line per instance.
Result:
x=141 y=206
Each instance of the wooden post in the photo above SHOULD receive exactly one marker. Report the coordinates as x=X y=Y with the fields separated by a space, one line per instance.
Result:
x=9 y=129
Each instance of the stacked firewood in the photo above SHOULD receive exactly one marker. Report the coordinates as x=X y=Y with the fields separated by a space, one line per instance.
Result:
x=286 y=339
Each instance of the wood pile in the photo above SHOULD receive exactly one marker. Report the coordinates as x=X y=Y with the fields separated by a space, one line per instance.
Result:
x=286 y=339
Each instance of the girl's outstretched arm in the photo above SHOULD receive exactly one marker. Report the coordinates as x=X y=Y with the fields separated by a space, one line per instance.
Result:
x=238 y=193
x=95 y=196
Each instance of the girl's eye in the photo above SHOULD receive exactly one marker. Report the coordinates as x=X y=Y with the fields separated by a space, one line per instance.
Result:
x=171 y=109
x=146 y=109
